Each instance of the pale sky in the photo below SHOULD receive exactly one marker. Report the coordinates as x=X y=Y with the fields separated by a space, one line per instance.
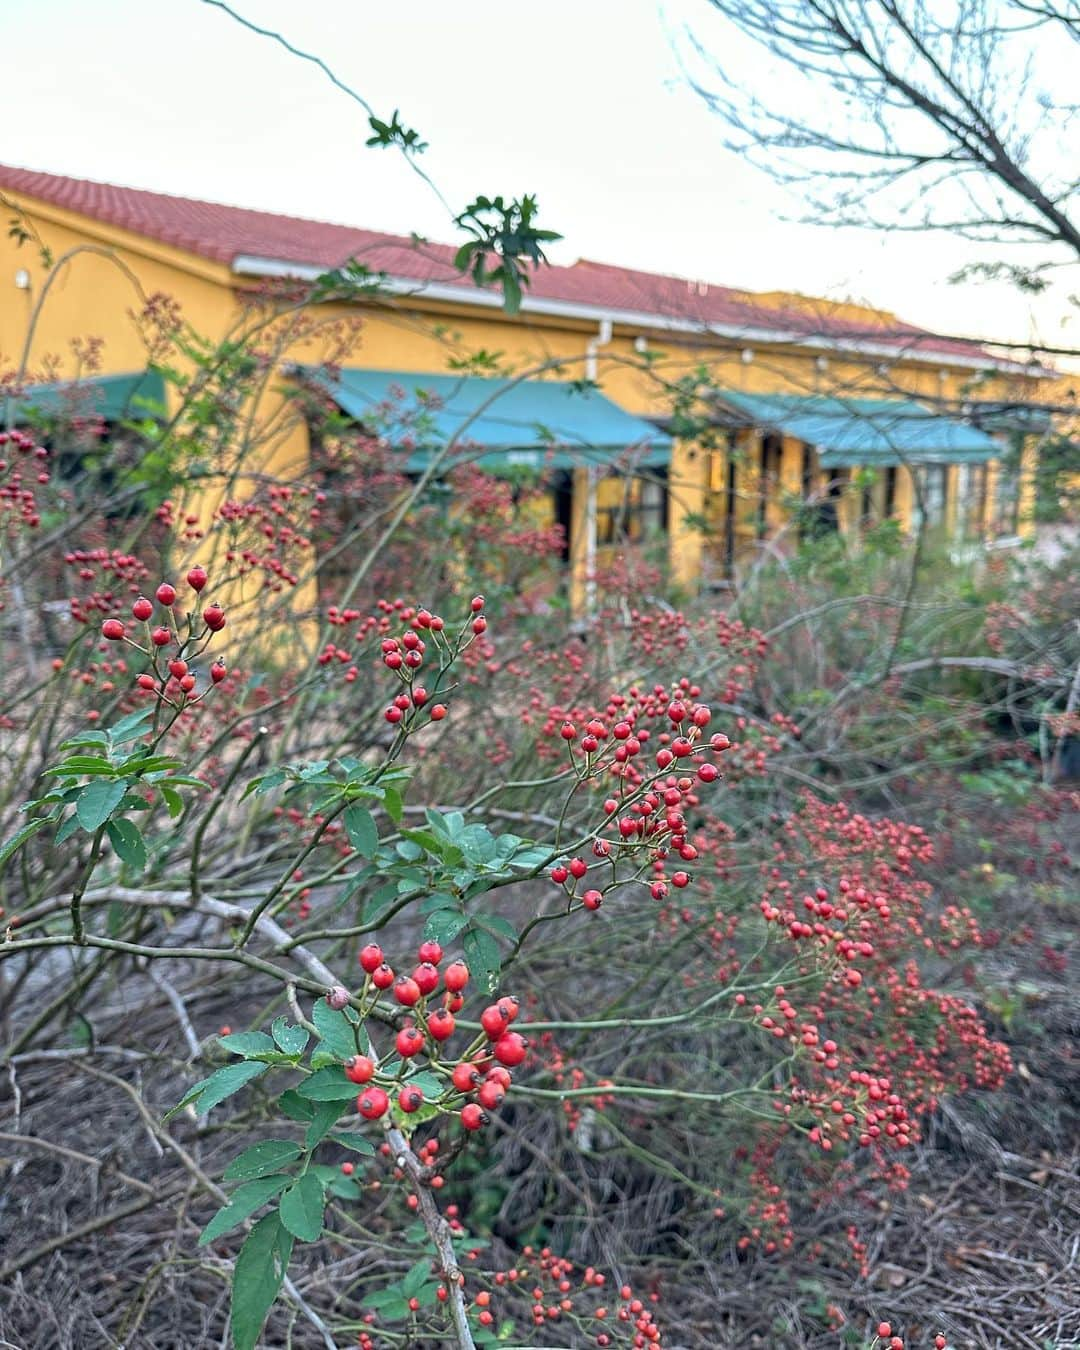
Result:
x=582 y=102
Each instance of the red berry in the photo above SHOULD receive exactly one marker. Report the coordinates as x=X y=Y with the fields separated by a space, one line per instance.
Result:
x=426 y=977
x=592 y=899
x=465 y=1077
x=438 y=712
x=218 y=671
x=407 y=991
x=430 y=953
x=359 y=1069
x=187 y=684
x=177 y=668
x=161 y=637
x=510 y=1049
x=393 y=715
x=509 y=1006
x=680 y=879
x=373 y=1103
x=214 y=618
x=476 y=604
x=578 y=868
x=559 y=875
x=708 y=773
x=491 y=1095
x=410 y=1099
x=479 y=625
x=382 y=977
x=371 y=957
x=166 y=594
x=142 y=609
x=112 y=629
x=473 y=1117
x=884 y=1329
x=501 y=1075
x=409 y=1041
x=145 y=682
x=196 y=578
x=440 y=1024
x=456 y=976
x=568 y=731
x=347 y=1169
x=494 y=1021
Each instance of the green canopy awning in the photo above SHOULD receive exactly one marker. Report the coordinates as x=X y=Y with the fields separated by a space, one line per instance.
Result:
x=854 y=431
x=114 y=398
x=500 y=424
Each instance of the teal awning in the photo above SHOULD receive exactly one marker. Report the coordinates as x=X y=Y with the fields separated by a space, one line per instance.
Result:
x=499 y=423
x=115 y=398
x=853 y=431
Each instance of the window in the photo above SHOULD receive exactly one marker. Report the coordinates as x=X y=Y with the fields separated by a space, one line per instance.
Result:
x=629 y=510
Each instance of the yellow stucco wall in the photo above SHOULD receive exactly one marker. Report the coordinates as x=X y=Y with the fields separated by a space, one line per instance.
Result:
x=101 y=274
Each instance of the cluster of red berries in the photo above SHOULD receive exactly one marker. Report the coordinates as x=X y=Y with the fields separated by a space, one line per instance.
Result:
x=649 y=812
x=176 y=683
x=474 y=1082
x=16 y=498
x=887 y=1339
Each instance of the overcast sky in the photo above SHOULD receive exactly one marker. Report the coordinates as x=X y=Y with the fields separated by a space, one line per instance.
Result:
x=582 y=102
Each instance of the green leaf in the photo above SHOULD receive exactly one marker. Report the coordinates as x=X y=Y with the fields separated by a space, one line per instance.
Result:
x=245 y=1200
x=130 y=727
x=290 y=1039
x=416 y=1277
x=83 y=764
x=327 y=1085
x=392 y=802
x=482 y=955
x=357 y=1142
x=302 y=1208
x=335 y=1030
x=20 y=837
x=495 y=923
x=291 y=1104
x=97 y=801
x=268 y=1156
x=248 y=1043
x=444 y=925
x=68 y=826
x=388 y=1303
x=362 y=830
x=227 y=1081
x=260 y=1269
x=128 y=843
x=323 y=1121
x=173 y=801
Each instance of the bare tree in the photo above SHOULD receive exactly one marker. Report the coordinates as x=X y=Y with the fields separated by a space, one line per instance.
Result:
x=914 y=114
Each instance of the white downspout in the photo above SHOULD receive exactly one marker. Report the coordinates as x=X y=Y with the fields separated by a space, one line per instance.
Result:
x=592 y=475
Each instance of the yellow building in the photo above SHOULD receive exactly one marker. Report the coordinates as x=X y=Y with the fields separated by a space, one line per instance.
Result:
x=706 y=419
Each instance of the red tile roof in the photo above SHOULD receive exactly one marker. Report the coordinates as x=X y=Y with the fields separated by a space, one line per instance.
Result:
x=225 y=233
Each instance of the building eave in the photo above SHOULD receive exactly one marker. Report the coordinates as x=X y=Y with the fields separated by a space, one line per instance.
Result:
x=247 y=265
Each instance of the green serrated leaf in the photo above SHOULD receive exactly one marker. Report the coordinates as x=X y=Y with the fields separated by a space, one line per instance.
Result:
x=20 y=837
x=357 y=1142
x=291 y=1039
x=248 y=1043
x=227 y=1081
x=244 y=1201
x=270 y=1155
x=482 y=955
x=362 y=830
x=291 y=1104
x=260 y=1269
x=335 y=1029
x=130 y=727
x=127 y=842
x=444 y=925
x=97 y=801
x=495 y=923
x=302 y=1208
x=174 y=803
x=325 y=1118
x=327 y=1085
x=392 y=802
